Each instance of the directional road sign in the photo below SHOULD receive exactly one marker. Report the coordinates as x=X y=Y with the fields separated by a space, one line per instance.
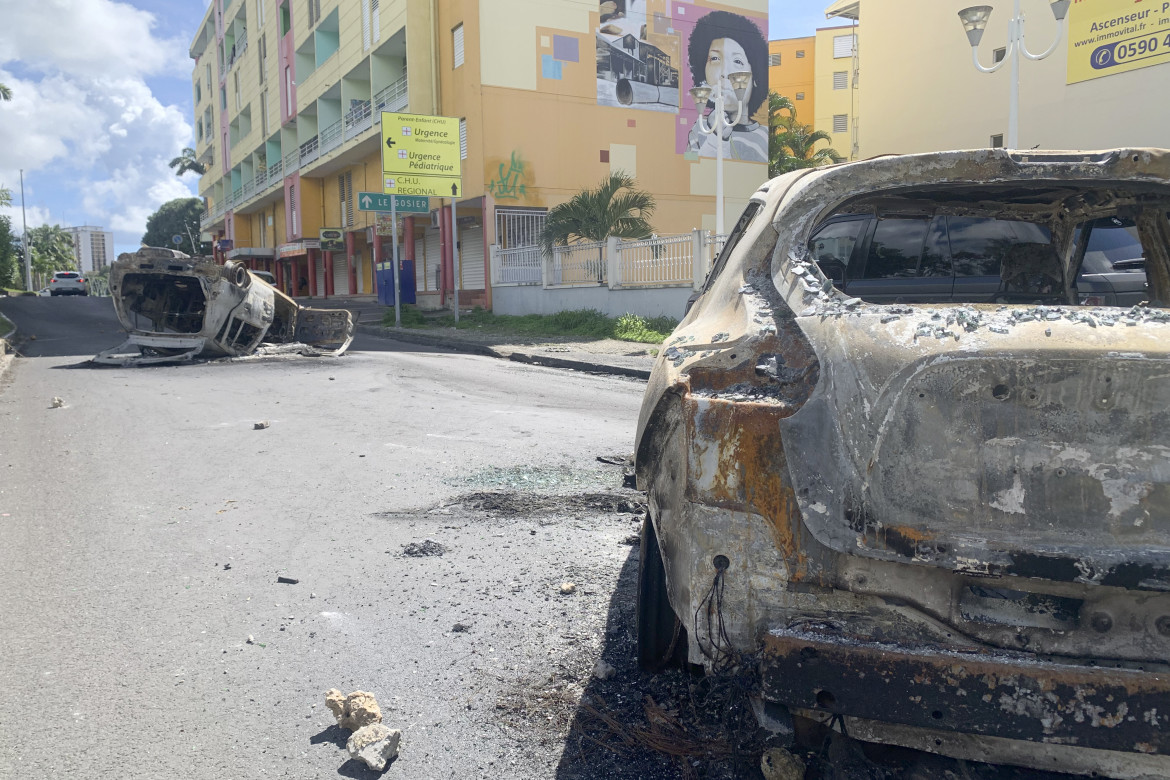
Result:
x=403 y=204
x=434 y=186
x=421 y=155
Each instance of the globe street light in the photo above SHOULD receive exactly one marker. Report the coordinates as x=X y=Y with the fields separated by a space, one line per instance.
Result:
x=975 y=22
x=740 y=81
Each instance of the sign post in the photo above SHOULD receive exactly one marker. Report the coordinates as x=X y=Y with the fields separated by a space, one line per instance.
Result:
x=394 y=260
x=422 y=155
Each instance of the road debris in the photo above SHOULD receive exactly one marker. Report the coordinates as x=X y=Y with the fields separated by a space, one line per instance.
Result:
x=354 y=711
x=260 y=425
x=779 y=764
x=56 y=403
x=375 y=745
x=286 y=581
x=251 y=641
x=603 y=670
x=460 y=628
x=567 y=588
x=423 y=548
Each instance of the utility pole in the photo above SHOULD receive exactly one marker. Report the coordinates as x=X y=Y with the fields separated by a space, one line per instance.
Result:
x=28 y=285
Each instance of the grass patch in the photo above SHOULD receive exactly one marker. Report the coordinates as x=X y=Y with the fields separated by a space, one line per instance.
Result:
x=5 y=325
x=588 y=324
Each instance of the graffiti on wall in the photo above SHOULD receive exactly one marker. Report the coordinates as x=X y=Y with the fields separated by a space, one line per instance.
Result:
x=509 y=180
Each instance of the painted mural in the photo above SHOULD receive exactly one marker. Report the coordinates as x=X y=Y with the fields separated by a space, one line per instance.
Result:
x=650 y=53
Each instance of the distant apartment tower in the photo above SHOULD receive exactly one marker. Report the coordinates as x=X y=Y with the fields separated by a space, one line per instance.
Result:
x=93 y=247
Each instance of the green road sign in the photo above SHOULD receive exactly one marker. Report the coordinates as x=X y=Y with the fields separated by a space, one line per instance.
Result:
x=403 y=204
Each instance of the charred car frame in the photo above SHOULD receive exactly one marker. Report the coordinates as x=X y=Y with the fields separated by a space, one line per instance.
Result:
x=947 y=523
x=175 y=307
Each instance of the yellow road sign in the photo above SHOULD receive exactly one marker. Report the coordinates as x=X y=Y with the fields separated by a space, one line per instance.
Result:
x=434 y=186
x=420 y=145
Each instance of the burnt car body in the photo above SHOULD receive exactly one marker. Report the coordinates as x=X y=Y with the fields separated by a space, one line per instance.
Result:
x=945 y=523
x=176 y=307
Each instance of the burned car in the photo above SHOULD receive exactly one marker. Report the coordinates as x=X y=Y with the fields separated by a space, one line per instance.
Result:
x=905 y=477
x=176 y=307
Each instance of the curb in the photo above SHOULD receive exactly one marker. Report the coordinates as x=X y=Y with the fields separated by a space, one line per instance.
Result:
x=380 y=331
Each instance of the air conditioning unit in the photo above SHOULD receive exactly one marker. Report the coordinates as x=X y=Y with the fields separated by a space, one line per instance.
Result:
x=435 y=219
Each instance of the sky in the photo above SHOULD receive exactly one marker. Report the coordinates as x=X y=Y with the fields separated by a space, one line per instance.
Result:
x=102 y=102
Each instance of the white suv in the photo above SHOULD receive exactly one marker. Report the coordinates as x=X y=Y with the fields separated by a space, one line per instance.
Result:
x=68 y=283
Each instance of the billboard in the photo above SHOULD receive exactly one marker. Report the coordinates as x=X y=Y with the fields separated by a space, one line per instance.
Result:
x=1114 y=36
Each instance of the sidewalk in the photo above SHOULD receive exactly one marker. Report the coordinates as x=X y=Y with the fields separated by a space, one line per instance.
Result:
x=603 y=356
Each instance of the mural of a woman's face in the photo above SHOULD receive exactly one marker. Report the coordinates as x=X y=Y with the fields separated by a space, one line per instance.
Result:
x=725 y=57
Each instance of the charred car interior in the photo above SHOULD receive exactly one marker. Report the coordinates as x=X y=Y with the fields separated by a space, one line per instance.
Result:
x=908 y=456
x=175 y=307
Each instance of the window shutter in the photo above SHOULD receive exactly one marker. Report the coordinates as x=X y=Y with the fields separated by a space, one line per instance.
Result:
x=365 y=25
x=840 y=123
x=773 y=60
x=800 y=54
x=843 y=45
x=292 y=208
x=457 y=35
x=462 y=139
x=375 y=20
x=841 y=80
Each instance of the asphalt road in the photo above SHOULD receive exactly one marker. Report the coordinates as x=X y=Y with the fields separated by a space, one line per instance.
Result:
x=144 y=523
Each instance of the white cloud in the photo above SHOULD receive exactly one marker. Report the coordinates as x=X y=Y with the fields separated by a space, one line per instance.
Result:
x=84 y=37
x=83 y=123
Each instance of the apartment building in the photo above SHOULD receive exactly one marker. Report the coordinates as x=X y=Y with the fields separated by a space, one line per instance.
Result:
x=93 y=247
x=792 y=73
x=837 y=85
x=552 y=96
x=923 y=93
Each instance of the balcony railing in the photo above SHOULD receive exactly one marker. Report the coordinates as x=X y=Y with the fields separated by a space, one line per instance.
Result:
x=330 y=137
x=358 y=119
x=393 y=97
x=275 y=173
x=292 y=161
x=310 y=150
x=237 y=49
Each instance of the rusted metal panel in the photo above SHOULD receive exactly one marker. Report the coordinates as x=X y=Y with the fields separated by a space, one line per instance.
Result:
x=1000 y=693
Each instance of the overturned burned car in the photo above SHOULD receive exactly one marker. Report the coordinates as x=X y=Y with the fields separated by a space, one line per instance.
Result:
x=894 y=464
x=175 y=307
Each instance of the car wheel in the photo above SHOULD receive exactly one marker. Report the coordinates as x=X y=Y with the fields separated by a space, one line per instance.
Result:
x=85 y=292
x=662 y=639
x=52 y=293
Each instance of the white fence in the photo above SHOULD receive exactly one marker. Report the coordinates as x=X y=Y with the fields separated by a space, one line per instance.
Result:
x=662 y=261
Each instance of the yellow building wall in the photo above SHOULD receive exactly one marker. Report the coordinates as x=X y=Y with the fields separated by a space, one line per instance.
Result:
x=795 y=78
x=953 y=106
x=545 y=136
x=832 y=102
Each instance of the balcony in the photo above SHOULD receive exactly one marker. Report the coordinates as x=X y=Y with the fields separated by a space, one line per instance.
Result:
x=330 y=137
x=358 y=120
x=292 y=162
x=237 y=50
x=393 y=97
x=310 y=150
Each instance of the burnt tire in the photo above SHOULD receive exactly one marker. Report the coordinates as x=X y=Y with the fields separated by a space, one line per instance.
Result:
x=662 y=639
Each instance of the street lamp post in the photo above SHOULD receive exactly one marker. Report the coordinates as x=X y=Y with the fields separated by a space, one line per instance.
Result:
x=740 y=80
x=975 y=22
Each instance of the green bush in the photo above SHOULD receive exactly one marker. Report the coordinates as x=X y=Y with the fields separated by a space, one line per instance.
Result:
x=580 y=323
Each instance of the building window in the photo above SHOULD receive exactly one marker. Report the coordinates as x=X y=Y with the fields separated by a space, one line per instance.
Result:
x=800 y=96
x=236 y=89
x=263 y=52
x=840 y=123
x=260 y=11
x=222 y=99
x=314 y=11
x=844 y=45
x=800 y=54
x=997 y=141
x=292 y=210
x=288 y=90
x=345 y=190
x=285 y=19
x=462 y=139
x=841 y=80
x=264 y=113
x=457 y=38
x=773 y=60
x=1000 y=54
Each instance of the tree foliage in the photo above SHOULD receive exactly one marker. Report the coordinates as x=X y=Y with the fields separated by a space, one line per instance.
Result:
x=178 y=217
x=792 y=144
x=10 y=265
x=5 y=92
x=51 y=250
x=615 y=208
x=186 y=161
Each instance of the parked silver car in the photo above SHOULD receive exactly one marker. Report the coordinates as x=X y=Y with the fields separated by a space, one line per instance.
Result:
x=934 y=511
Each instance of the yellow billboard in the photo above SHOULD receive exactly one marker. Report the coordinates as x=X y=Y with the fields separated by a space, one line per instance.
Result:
x=1114 y=36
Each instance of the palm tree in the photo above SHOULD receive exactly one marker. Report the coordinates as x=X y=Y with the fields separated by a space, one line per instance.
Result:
x=615 y=208
x=186 y=162
x=792 y=144
x=51 y=249
x=5 y=92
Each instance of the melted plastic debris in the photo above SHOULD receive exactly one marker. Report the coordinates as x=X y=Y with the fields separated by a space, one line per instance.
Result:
x=720 y=337
x=677 y=356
